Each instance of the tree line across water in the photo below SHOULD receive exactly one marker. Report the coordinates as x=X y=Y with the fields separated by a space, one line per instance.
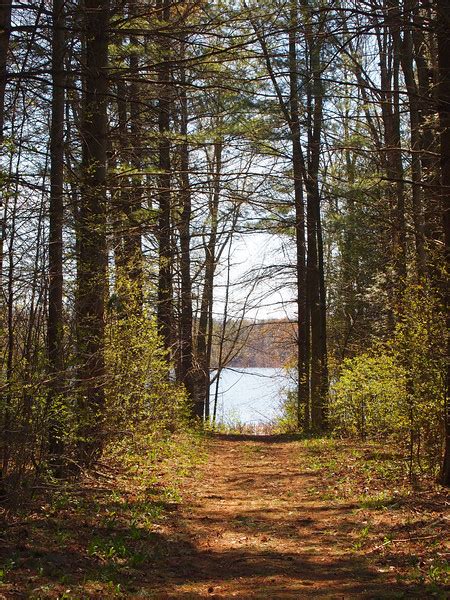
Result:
x=142 y=140
x=249 y=343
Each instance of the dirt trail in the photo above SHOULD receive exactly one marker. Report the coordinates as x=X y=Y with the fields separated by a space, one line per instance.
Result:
x=248 y=528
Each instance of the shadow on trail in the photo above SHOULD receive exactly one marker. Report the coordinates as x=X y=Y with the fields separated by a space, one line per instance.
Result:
x=259 y=438
x=279 y=548
x=271 y=545
x=166 y=566
x=246 y=573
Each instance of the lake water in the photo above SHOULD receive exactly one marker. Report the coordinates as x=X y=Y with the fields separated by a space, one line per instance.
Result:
x=249 y=396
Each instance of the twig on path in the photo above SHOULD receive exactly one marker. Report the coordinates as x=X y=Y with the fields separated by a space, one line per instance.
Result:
x=403 y=540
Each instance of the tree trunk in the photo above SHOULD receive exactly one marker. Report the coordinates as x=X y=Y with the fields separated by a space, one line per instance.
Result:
x=313 y=284
x=133 y=234
x=407 y=62
x=55 y=243
x=205 y=324
x=186 y=348
x=425 y=60
x=165 y=291
x=323 y=345
x=303 y=409
x=315 y=271
x=389 y=76
x=92 y=259
x=443 y=29
x=5 y=31
x=119 y=200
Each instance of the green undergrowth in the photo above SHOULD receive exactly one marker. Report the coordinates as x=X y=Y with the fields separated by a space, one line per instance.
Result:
x=356 y=468
x=399 y=525
x=100 y=536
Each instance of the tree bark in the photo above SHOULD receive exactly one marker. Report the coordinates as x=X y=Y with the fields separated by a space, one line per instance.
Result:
x=165 y=291
x=133 y=233
x=186 y=347
x=426 y=78
x=92 y=259
x=443 y=30
x=407 y=62
x=389 y=76
x=315 y=271
x=203 y=346
x=55 y=243
x=5 y=31
x=303 y=408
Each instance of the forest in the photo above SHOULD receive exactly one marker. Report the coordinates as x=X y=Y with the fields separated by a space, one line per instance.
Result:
x=187 y=186
x=249 y=343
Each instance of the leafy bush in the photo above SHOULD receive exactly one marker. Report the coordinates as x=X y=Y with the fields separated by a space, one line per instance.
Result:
x=397 y=388
x=139 y=391
x=419 y=345
x=370 y=396
x=287 y=422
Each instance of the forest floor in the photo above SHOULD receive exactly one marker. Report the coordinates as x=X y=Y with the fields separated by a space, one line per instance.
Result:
x=247 y=517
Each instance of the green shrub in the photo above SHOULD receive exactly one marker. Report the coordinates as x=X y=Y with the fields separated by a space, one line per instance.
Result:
x=369 y=397
x=397 y=388
x=140 y=392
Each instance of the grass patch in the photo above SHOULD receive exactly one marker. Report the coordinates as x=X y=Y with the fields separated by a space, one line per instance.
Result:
x=250 y=449
x=99 y=537
x=399 y=526
x=381 y=500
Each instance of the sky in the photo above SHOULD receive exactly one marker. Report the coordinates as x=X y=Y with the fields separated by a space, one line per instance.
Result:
x=258 y=257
